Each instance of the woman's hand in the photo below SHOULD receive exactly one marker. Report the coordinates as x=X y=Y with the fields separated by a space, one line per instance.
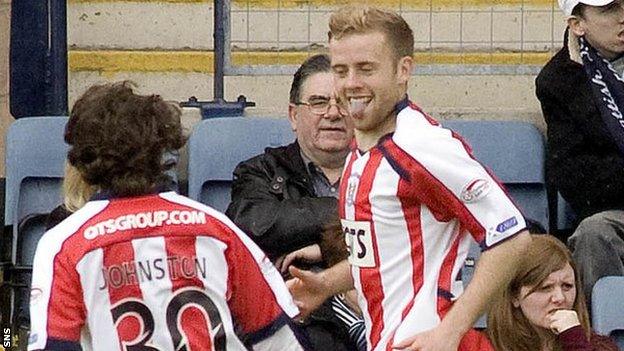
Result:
x=562 y=320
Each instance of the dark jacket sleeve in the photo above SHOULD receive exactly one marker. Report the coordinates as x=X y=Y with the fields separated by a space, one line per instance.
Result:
x=277 y=223
x=583 y=163
x=57 y=215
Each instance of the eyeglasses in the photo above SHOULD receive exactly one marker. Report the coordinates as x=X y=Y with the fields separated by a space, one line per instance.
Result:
x=321 y=106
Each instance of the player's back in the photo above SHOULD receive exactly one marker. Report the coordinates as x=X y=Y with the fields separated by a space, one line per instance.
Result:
x=161 y=272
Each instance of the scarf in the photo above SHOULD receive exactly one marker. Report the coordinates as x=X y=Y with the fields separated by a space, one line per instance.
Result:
x=608 y=89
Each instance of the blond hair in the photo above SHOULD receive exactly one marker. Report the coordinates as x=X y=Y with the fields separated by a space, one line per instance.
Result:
x=76 y=191
x=363 y=19
x=508 y=328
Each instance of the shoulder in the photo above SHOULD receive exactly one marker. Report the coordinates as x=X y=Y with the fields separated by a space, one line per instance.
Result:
x=559 y=73
x=417 y=133
x=191 y=204
x=57 y=215
x=53 y=240
x=602 y=342
x=200 y=214
x=413 y=124
x=282 y=156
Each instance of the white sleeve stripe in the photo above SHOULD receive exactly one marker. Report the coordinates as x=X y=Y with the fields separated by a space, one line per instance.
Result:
x=48 y=247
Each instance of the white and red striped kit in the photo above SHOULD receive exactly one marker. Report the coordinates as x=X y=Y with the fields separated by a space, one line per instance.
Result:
x=157 y=272
x=410 y=207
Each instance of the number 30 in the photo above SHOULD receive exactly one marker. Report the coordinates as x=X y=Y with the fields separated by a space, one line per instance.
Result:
x=181 y=299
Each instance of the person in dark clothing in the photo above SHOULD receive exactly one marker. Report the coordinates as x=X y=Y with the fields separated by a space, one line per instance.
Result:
x=582 y=95
x=543 y=308
x=286 y=196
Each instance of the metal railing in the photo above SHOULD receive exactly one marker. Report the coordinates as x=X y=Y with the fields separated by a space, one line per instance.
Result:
x=452 y=37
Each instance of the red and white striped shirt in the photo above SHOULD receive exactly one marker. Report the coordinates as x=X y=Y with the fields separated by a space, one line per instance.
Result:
x=157 y=272
x=410 y=208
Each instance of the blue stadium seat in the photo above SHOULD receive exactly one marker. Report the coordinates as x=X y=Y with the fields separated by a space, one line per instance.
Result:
x=515 y=153
x=566 y=217
x=608 y=308
x=35 y=158
x=217 y=145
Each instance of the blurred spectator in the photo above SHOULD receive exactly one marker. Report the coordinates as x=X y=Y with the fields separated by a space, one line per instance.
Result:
x=285 y=197
x=582 y=95
x=76 y=193
x=138 y=267
x=543 y=308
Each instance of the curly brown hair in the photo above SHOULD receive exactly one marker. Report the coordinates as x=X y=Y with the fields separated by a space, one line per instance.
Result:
x=117 y=138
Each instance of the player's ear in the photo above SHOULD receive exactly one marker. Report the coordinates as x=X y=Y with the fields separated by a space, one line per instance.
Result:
x=404 y=69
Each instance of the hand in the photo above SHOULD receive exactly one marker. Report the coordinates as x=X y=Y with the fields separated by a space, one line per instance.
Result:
x=308 y=254
x=431 y=340
x=562 y=320
x=308 y=289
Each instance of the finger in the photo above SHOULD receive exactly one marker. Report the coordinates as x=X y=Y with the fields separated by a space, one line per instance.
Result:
x=288 y=260
x=298 y=273
x=405 y=343
x=291 y=284
x=278 y=262
x=304 y=312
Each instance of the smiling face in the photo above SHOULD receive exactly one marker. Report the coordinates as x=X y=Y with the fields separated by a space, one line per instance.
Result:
x=370 y=78
x=603 y=27
x=556 y=292
x=330 y=132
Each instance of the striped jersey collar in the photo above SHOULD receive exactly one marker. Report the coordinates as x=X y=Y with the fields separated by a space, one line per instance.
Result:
x=401 y=105
x=398 y=107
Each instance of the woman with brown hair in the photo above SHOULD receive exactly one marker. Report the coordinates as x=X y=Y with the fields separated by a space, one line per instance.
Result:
x=543 y=308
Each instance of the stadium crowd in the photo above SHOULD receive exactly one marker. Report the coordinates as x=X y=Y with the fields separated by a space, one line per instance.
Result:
x=354 y=236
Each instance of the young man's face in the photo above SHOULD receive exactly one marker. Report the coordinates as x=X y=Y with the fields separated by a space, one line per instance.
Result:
x=368 y=77
x=603 y=27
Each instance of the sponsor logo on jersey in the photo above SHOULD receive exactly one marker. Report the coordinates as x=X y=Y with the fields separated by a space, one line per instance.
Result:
x=33 y=338
x=351 y=188
x=266 y=266
x=507 y=224
x=475 y=190
x=35 y=294
x=359 y=238
x=143 y=220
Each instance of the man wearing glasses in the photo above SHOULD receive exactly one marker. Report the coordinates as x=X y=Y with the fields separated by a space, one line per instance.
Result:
x=286 y=196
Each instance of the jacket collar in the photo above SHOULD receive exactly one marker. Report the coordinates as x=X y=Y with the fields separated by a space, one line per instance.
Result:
x=289 y=156
x=571 y=42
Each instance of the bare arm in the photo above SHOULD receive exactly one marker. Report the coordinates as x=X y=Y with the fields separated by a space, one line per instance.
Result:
x=311 y=289
x=495 y=269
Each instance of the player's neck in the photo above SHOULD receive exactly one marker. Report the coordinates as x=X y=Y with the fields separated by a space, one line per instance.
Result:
x=367 y=139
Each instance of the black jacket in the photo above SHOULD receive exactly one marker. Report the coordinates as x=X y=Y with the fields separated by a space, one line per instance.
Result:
x=583 y=163
x=273 y=200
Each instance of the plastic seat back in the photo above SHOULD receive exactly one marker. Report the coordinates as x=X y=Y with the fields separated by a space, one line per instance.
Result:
x=608 y=308
x=515 y=153
x=218 y=145
x=35 y=159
